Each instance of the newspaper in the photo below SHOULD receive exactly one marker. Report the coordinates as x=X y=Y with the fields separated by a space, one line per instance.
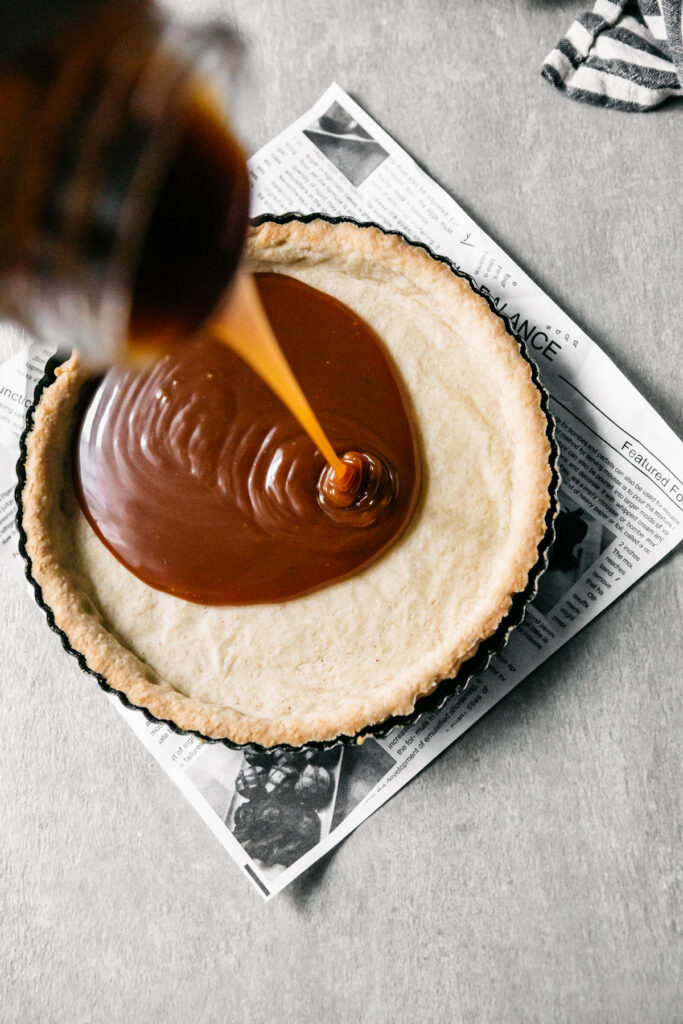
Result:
x=621 y=503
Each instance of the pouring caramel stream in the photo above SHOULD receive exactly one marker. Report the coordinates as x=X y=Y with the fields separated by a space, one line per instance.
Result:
x=245 y=328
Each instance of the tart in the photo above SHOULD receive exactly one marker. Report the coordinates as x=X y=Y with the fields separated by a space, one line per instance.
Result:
x=354 y=654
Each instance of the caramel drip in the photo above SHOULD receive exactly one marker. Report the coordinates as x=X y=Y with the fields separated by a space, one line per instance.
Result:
x=203 y=483
x=244 y=326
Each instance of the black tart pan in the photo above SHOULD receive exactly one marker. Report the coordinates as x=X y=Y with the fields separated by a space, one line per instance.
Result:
x=447 y=688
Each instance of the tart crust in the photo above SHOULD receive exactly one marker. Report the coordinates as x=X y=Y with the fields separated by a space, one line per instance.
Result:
x=363 y=650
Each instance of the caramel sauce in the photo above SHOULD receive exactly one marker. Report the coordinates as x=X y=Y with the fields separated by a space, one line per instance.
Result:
x=216 y=483
x=204 y=484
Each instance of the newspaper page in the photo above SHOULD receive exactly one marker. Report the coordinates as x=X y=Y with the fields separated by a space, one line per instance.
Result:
x=621 y=504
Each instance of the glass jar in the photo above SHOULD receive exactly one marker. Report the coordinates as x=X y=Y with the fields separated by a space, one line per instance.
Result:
x=123 y=193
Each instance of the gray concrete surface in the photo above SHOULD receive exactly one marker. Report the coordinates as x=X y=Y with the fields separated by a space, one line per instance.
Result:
x=530 y=875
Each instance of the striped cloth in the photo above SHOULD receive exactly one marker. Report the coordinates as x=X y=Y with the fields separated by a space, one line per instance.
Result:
x=624 y=54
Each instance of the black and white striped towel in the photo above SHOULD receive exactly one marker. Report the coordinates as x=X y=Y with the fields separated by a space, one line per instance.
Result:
x=625 y=54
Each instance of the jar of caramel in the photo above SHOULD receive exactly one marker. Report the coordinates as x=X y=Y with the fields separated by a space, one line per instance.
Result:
x=123 y=193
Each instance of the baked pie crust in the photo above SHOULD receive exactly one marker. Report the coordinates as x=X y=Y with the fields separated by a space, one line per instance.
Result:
x=362 y=650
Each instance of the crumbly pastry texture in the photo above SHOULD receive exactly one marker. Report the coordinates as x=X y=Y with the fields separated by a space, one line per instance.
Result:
x=360 y=651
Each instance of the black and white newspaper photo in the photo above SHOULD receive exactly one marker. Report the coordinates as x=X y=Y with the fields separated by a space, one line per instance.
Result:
x=621 y=503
